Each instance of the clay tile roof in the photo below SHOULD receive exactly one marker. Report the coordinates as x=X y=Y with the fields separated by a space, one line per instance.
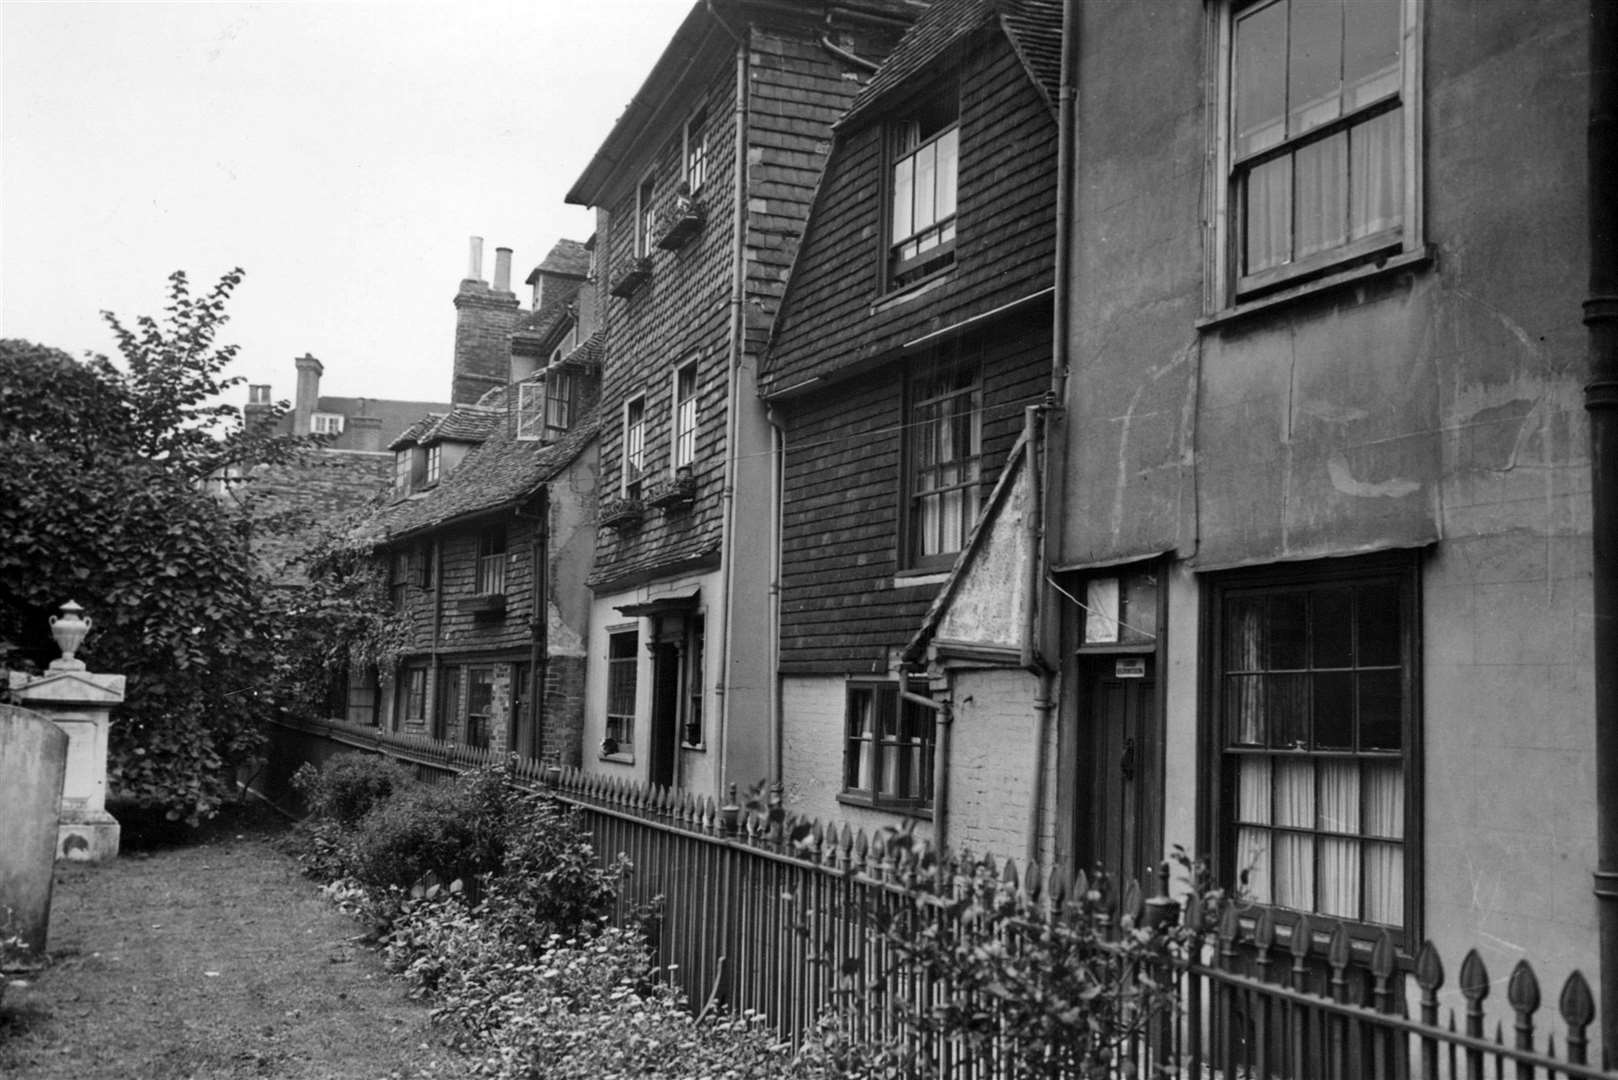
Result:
x=464 y=423
x=1034 y=27
x=567 y=257
x=412 y=434
x=498 y=473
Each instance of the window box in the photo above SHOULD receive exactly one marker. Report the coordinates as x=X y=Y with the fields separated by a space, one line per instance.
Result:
x=622 y=513
x=676 y=493
x=678 y=223
x=489 y=605
x=635 y=274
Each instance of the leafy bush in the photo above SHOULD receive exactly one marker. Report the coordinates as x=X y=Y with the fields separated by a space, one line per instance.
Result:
x=452 y=831
x=350 y=786
x=550 y=883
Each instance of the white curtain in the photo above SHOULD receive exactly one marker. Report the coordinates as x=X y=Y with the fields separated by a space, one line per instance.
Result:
x=1384 y=862
x=1320 y=170
x=1376 y=175
x=1292 y=865
x=1269 y=215
x=1253 y=809
x=1340 y=855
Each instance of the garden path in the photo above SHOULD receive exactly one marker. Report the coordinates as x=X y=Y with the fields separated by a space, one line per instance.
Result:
x=211 y=961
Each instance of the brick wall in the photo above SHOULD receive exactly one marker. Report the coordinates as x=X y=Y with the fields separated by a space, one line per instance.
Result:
x=484 y=319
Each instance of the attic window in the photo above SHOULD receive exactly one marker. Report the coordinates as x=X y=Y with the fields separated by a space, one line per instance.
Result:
x=435 y=461
x=327 y=423
x=531 y=411
x=925 y=153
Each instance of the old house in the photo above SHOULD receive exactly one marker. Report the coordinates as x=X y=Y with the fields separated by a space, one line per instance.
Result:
x=914 y=337
x=488 y=533
x=1325 y=548
x=701 y=189
x=288 y=503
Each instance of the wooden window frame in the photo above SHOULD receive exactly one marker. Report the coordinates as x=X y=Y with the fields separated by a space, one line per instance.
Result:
x=632 y=473
x=480 y=714
x=1218 y=805
x=414 y=692
x=1227 y=289
x=404 y=470
x=914 y=728
x=685 y=414
x=902 y=273
x=623 y=665
x=435 y=463
x=645 y=216
x=694 y=159
x=933 y=366
x=561 y=402
x=491 y=565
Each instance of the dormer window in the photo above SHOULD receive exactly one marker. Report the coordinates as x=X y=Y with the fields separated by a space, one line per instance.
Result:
x=327 y=423
x=435 y=461
x=403 y=466
x=925 y=152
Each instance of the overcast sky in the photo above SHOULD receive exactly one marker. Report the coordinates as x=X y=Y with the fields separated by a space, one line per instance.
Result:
x=340 y=153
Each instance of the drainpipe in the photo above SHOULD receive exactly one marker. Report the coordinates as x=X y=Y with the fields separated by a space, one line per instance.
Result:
x=1601 y=401
x=778 y=464
x=1053 y=443
x=738 y=331
x=941 y=739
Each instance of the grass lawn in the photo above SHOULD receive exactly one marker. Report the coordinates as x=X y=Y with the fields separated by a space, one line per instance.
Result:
x=210 y=958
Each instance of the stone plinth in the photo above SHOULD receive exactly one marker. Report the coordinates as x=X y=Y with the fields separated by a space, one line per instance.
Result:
x=80 y=703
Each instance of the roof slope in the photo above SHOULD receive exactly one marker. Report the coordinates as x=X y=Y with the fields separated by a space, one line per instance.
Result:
x=499 y=472
x=1034 y=27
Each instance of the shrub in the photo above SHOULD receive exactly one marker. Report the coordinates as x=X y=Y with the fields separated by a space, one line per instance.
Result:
x=550 y=883
x=454 y=831
x=350 y=786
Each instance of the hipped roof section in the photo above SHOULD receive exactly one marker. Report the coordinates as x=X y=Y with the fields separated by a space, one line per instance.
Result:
x=498 y=473
x=1034 y=28
x=678 y=58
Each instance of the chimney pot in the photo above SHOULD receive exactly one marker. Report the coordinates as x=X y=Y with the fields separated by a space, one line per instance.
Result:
x=474 y=270
x=502 y=269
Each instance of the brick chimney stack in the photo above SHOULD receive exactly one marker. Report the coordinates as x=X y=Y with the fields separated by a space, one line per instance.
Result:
x=484 y=319
x=307 y=399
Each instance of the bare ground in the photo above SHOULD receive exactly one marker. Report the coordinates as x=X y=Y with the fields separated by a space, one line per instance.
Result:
x=210 y=960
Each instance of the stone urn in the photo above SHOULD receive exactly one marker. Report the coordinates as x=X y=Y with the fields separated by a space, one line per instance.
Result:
x=69 y=630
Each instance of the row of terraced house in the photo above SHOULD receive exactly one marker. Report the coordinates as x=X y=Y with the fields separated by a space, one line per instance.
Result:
x=1071 y=429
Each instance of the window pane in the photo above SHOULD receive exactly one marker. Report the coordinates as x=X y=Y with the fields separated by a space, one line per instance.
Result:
x=1244 y=710
x=1384 y=799
x=1339 y=797
x=1259 y=78
x=903 y=191
x=1253 y=790
x=948 y=154
x=1292 y=870
x=1334 y=710
x=1381 y=710
x=1340 y=877
x=1370 y=50
x=1384 y=884
x=1333 y=628
x=1244 y=634
x=1314 y=64
x=1268 y=211
x=1289 y=632
x=1295 y=794
x=1253 y=860
x=1376 y=175
x=1378 y=625
x=926 y=186
x=1320 y=172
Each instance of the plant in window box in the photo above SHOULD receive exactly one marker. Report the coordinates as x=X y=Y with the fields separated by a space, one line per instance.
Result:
x=622 y=513
x=631 y=276
x=609 y=745
x=680 y=220
x=677 y=492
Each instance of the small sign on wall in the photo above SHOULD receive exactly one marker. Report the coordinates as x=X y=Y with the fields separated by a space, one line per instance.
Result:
x=1130 y=667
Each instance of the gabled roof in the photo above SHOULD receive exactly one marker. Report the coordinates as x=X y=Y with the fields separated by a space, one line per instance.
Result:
x=1034 y=28
x=500 y=472
x=412 y=434
x=464 y=423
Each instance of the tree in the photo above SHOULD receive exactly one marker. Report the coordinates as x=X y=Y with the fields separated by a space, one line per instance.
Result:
x=101 y=502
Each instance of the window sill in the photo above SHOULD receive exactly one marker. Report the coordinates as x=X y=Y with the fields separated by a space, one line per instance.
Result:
x=619 y=758
x=1389 y=266
x=925 y=813
x=916 y=579
x=913 y=291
